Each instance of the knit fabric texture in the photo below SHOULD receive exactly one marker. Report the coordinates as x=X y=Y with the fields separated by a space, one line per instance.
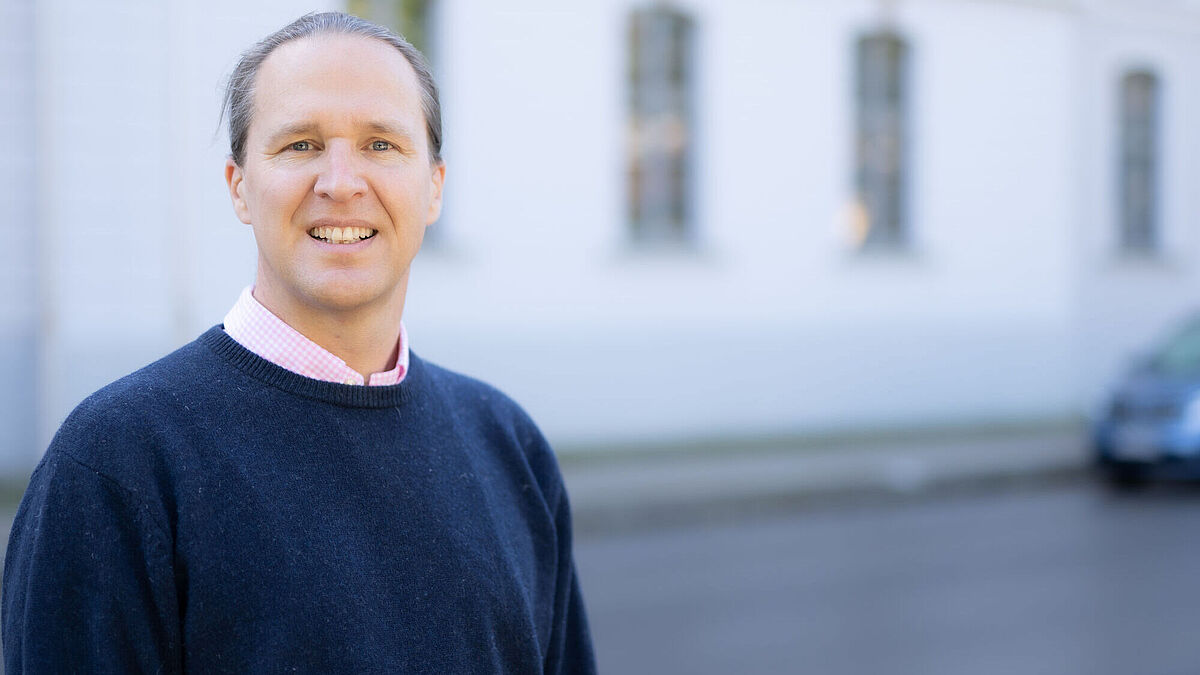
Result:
x=214 y=512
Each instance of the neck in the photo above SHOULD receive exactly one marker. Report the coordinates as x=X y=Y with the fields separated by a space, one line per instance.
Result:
x=366 y=338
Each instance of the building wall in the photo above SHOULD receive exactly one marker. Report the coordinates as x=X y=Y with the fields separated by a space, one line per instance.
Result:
x=1125 y=302
x=774 y=323
x=138 y=245
x=19 y=257
x=1002 y=309
x=104 y=282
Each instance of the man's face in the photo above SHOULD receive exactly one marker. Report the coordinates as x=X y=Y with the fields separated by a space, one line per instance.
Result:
x=337 y=181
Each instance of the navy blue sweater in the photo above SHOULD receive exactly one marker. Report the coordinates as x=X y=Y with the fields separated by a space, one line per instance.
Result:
x=214 y=512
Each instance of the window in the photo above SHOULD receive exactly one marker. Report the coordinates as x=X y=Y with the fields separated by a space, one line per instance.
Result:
x=881 y=143
x=410 y=18
x=661 y=141
x=415 y=20
x=1137 y=188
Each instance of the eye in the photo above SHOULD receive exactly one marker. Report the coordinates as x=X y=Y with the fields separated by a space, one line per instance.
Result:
x=380 y=146
x=300 y=146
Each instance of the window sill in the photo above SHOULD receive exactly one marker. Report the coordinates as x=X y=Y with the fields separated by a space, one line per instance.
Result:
x=886 y=256
x=677 y=253
x=1145 y=261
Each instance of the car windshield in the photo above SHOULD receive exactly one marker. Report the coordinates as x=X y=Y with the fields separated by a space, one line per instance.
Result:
x=1179 y=355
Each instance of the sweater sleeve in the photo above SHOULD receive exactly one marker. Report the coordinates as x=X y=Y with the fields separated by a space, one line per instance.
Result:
x=570 y=650
x=88 y=585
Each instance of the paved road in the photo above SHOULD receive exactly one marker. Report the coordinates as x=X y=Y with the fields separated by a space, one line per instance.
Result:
x=1068 y=580
x=1056 y=580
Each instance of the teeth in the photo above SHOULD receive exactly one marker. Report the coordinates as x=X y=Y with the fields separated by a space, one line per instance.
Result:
x=341 y=235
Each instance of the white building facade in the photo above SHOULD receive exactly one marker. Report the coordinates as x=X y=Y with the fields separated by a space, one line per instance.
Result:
x=664 y=221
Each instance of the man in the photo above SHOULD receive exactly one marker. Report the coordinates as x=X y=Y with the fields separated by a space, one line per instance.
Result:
x=295 y=491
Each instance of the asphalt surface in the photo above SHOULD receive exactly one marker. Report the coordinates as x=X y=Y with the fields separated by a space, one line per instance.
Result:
x=1061 y=579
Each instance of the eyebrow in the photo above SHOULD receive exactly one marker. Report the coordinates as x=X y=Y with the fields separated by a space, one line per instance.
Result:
x=298 y=129
x=387 y=129
x=307 y=128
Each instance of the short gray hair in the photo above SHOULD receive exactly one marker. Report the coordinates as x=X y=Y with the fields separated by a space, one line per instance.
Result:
x=239 y=91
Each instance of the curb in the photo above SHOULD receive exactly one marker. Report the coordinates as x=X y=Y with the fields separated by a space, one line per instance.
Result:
x=637 y=493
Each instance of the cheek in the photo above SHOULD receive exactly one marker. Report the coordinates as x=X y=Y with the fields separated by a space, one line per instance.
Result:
x=278 y=194
x=396 y=203
x=413 y=196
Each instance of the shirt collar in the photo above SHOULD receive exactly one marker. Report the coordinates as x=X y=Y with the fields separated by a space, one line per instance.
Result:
x=254 y=327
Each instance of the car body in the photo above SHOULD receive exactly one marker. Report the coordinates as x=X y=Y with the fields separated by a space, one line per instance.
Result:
x=1150 y=426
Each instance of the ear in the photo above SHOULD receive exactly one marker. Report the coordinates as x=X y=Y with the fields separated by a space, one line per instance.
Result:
x=233 y=178
x=437 y=179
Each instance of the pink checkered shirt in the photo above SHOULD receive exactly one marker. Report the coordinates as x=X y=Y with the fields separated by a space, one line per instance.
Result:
x=260 y=331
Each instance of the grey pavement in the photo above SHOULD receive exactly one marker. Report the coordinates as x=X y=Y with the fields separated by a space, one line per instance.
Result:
x=684 y=572
x=628 y=489
x=1054 y=579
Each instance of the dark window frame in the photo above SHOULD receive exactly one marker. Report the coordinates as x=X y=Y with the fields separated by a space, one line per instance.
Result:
x=1139 y=109
x=882 y=142
x=412 y=19
x=661 y=151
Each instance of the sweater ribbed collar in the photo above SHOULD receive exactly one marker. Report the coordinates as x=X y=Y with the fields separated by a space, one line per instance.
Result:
x=349 y=395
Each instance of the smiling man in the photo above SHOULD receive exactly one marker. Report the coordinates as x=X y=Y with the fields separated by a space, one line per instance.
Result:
x=296 y=491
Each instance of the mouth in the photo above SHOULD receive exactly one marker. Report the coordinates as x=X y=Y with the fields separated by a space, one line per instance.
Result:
x=341 y=235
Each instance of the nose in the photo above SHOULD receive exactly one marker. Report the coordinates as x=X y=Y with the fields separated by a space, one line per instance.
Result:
x=340 y=178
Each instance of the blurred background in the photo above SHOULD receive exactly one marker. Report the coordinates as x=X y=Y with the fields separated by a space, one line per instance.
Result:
x=815 y=298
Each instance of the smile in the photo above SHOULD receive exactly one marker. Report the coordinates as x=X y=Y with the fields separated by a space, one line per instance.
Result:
x=341 y=235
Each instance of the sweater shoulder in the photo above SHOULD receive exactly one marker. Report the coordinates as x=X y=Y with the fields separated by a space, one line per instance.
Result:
x=124 y=419
x=477 y=402
x=477 y=395
x=175 y=372
x=155 y=387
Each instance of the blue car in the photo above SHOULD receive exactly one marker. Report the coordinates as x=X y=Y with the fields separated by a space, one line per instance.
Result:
x=1151 y=425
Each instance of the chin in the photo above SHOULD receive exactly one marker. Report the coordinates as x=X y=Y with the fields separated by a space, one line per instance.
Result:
x=345 y=300
x=345 y=295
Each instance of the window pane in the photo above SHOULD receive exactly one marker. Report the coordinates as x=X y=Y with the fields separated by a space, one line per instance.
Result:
x=410 y=18
x=660 y=127
x=881 y=146
x=1138 y=179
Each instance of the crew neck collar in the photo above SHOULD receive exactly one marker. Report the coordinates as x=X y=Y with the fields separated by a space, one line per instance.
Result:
x=349 y=395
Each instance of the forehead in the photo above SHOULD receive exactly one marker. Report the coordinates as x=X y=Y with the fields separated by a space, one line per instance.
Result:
x=335 y=75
